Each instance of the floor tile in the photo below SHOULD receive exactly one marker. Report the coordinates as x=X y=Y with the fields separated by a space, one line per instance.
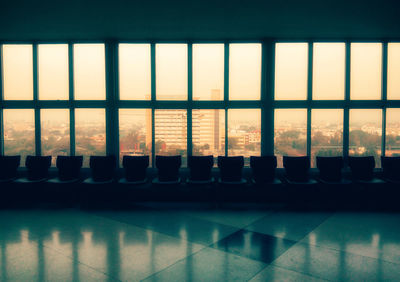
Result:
x=274 y=273
x=254 y=245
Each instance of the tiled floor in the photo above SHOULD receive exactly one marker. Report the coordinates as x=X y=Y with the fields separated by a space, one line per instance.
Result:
x=197 y=242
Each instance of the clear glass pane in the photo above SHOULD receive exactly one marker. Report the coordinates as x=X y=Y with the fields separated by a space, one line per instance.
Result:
x=393 y=83
x=366 y=71
x=89 y=72
x=90 y=133
x=53 y=72
x=291 y=65
x=366 y=133
x=326 y=133
x=329 y=71
x=392 y=132
x=208 y=71
x=170 y=133
x=17 y=72
x=55 y=132
x=171 y=71
x=134 y=132
x=19 y=133
x=290 y=134
x=134 y=71
x=208 y=132
x=244 y=133
x=244 y=71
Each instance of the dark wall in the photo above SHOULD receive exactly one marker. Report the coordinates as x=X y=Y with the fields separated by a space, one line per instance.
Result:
x=199 y=19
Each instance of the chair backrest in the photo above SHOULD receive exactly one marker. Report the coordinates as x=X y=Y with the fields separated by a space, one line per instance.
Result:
x=102 y=167
x=362 y=168
x=168 y=167
x=200 y=167
x=263 y=168
x=330 y=168
x=69 y=167
x=135 y=167
x=391 y=167
x=38 y=167
x=230 y=168
x=9 y=166
x=297 y=168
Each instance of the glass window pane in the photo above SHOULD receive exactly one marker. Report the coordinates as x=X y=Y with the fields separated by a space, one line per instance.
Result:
x=19 y=133
x=53 y=72
x=393 y=83
x=90 y=133
x=171 y=71
x=55 y=132
x=170 y=133
x=208 y=71
x=244 y=133
x=89 y=72
x=290 y=134
x=244 y=71
x=392 y=132
x=328 y=71
x=366 y=133
x=366 y=71
x=208 y=132
x=134 y=71
x=291 y=65
x=326 y=133
x=17 y=72
x=134 y=132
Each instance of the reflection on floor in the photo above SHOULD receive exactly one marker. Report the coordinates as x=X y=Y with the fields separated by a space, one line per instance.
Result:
x=176 y=242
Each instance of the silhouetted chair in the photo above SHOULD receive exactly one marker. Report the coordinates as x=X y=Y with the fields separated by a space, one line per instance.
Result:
x=8 y=168
x=69 y=169
x=102 y=170
x=135 y=169
x=362 y=170
x=391 y=169
x=37 y=169
x=330 y=170
x=263 y=169
x=168 y=170
x=200 y=169
x=297 y=170
x=230 y=169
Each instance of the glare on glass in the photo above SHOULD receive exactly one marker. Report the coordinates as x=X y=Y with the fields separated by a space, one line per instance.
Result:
x=291 y=64
x=17 y=72
x=326 y=133
x=89 y=72
x=170 y=133
x=365 y=137
x=19 y=132
x=290 y=133
x=171 y=71
x=55 y=132
x=244 y=71
x=392 y=132
x=134 y=71
x=366 y=71
x=134 y=132
x=393 y=80
x=208 y=132
x=90 y=133
x=328 y=71
x=244 y=133
x=53 y=72
x=208 y=71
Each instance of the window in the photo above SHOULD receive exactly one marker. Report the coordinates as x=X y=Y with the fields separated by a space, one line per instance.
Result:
x=392 y=132
x=171 y=71
x=19 y=132
x=17 y=72
x=291 y=64
x=55 y=132
x=208 y=71
x=328 y=71
x=134 y=71
x=366 y=71
x=89 y=72
x=53 y=72
x=290 y=133
x=90 y=133
x=393 y=83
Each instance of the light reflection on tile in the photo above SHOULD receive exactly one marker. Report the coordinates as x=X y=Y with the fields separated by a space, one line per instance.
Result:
x=274 y=273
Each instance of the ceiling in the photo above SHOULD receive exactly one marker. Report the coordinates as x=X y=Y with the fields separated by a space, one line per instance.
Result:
x=198 y=20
